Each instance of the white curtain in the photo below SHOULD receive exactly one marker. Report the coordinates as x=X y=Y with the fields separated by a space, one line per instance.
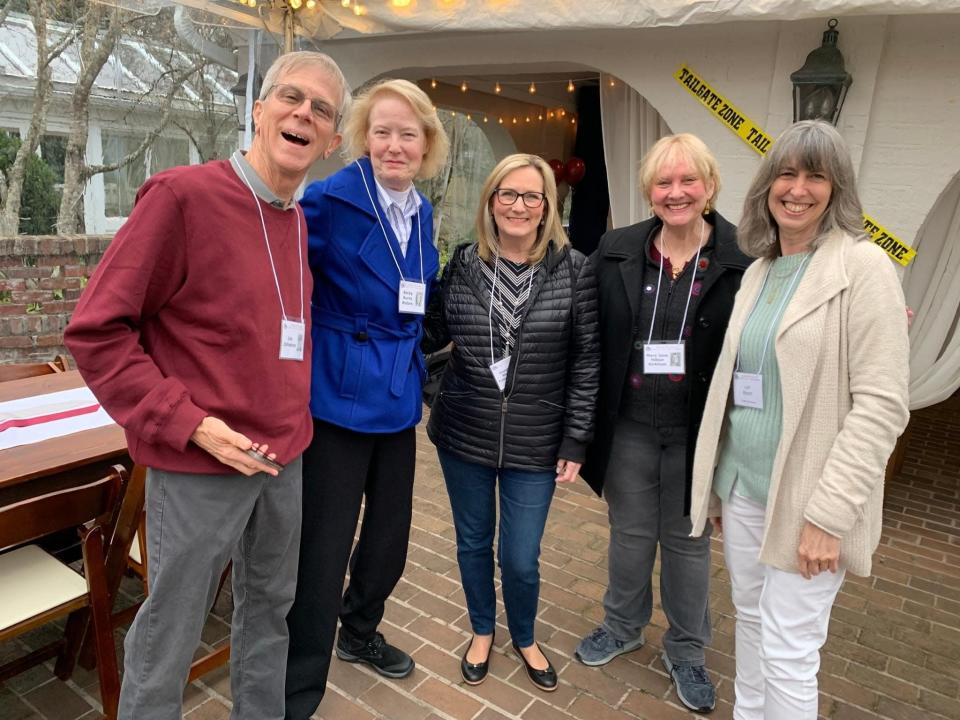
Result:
x=630 y=127
x=932 y=287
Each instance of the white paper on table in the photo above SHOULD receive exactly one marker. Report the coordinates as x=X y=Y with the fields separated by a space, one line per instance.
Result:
x=43 y=409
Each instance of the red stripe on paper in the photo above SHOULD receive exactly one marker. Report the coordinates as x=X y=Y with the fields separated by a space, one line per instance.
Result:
x=40 y=419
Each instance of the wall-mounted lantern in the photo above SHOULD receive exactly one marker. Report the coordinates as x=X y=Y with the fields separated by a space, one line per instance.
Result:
x=820 y=86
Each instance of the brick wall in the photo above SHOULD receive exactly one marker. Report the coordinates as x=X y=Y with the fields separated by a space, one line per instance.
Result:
x=41 y=278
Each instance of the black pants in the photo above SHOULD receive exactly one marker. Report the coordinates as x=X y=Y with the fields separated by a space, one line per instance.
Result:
x=341 y=468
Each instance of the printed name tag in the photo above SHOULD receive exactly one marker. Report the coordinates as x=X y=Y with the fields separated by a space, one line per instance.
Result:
x=292 y=334
x=663 y=358
x=499 y=370
x=748 y=390
x=412 y=297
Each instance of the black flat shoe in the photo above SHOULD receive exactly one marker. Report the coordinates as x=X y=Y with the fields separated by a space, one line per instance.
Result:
x=545 y=680
x=475 y=673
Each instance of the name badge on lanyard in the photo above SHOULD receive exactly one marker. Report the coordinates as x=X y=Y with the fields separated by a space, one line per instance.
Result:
x=664 y=358
x=412 y=297
x=292 y=336
x=748 y=390
x=499 y=370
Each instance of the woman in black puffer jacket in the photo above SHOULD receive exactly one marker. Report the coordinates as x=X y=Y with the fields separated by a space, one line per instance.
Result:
x=515 y=407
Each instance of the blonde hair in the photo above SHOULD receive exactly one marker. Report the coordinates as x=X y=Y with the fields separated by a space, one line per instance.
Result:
x=682 y=146
x=358 y=123
x=550 y=230
x=308 y=58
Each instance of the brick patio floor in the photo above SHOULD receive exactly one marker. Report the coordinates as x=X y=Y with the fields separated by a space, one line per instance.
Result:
x=893 y=651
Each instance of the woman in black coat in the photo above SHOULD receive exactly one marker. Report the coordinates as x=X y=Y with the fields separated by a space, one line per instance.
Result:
x=515 y=408
x=666 y=289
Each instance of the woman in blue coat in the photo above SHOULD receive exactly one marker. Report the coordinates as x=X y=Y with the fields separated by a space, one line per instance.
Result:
x=374 y=266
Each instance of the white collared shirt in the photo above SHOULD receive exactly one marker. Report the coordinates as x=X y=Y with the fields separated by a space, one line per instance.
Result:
x=400 y=207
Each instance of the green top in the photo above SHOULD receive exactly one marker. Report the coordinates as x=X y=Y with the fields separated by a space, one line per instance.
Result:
x=752 y=435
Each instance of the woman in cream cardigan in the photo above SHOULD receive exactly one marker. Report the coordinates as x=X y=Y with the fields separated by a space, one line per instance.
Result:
x=806 y=404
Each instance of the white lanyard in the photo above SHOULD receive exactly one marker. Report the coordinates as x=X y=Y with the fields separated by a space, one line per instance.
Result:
x=384 y=230
x=513 y=311
x=266 y=240
x=693 y=276
x=776 y=317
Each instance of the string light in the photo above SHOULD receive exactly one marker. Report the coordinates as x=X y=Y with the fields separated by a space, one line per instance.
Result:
x=485 y=119
x=573 y=121
x=562 y=112
x=311 y=4
x=612 y=82
x=569 y=85
x=514 y=121
x=469 y=116
x=359 y=9
x=532 y=89
x=344 y=3
x=540 y=116
x=433 y=83
x=400 y=3
x=528 y=119
x=497 y=89
x=500 y=120
x=295 y=4
x=550 y=115
x=463 y=86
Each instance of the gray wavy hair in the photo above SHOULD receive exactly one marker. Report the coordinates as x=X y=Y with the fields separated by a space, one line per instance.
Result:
x=813 y=146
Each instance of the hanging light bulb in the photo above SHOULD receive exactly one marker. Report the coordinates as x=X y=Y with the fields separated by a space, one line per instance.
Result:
x=569 y=85
x=463 y=86
x=295 y=4
x=311 y=4
x=562 y=112
x=359 y=9
x=500 y=120
x=550 y=115
x=532 y=89
x=497 y=89
x=433 y=83
x=540 y=116
x=514 y=121
x=469 y=116
x=344 y=3
x=573 y=121
x=612 y=82
x=400 y=3
x=485 y=118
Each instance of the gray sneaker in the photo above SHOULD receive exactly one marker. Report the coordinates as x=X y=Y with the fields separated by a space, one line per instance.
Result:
x=600 y=647
x=694 y=687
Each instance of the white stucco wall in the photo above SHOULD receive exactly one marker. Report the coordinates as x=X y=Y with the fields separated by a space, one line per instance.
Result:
x=901 y=117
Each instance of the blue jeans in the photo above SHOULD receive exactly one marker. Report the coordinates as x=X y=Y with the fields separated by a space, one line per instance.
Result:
x=524 y=503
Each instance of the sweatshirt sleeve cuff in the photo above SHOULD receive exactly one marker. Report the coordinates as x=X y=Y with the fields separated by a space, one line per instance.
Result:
x=183 y=420
x=573 y=450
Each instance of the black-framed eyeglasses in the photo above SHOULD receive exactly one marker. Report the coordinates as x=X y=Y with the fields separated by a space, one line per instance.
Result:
x=509 y=197
x=293 y=96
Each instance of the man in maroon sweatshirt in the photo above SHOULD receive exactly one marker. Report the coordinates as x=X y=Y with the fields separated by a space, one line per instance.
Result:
x=194 y=335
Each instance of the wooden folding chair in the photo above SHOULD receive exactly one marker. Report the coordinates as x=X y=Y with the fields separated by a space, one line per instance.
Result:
x=36 y=588
x=17 y=371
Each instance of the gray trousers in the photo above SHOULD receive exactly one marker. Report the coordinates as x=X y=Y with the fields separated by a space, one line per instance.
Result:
x=644 y=489
x=195 y=524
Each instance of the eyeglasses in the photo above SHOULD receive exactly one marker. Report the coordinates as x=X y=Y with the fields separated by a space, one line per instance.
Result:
x=293 y=96
x=509 y=197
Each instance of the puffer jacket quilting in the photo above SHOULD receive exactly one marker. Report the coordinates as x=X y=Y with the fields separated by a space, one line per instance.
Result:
x=546 y=411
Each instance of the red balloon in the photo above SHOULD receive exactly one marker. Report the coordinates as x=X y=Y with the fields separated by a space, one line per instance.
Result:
x=559 y=172
x=575 y=170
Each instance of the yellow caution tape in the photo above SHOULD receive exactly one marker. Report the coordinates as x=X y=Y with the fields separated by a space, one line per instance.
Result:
x=751 y=133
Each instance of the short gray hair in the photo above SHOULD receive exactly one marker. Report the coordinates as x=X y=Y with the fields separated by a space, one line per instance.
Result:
x=813 y=146
x=292 y=61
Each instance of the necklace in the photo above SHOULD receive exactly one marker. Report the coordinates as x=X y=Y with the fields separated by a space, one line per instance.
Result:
x=678 y=265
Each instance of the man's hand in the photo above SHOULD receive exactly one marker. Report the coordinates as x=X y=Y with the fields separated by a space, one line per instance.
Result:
x=230 y=447
x=818 y=551
x=567 y=470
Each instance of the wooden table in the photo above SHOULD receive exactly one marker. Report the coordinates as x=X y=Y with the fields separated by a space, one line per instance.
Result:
x=27 y=470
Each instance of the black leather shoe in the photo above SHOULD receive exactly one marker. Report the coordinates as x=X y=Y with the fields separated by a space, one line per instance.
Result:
x=545 y=680
x=387 y=660
x=475 y=673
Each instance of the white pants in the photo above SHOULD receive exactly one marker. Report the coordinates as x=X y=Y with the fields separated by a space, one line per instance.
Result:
x=782 y=623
